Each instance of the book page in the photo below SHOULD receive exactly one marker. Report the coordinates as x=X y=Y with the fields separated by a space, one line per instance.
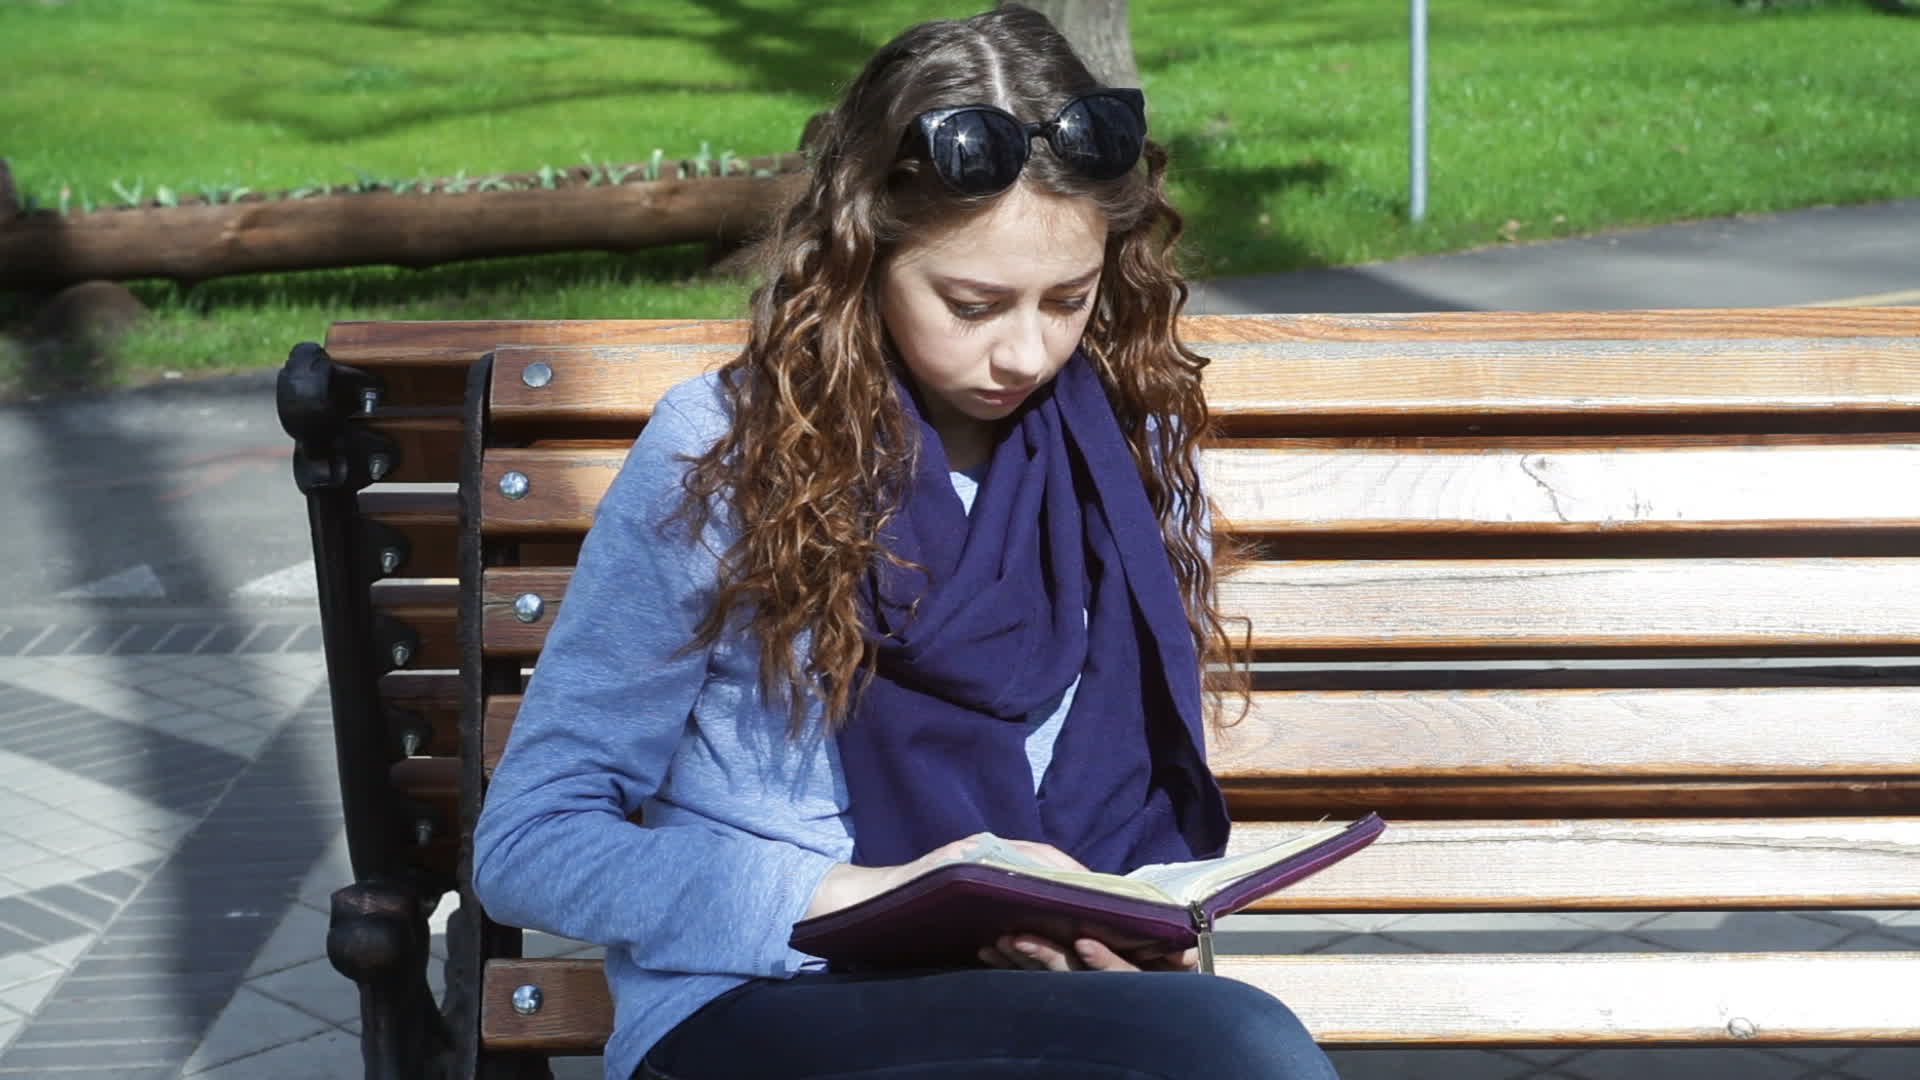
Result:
x=1186 y=882
x=993 y=851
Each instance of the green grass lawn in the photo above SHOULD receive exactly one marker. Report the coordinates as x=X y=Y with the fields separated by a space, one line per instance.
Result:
x=1287 y=122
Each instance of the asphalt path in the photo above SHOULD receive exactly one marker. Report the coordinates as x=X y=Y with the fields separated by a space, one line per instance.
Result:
x=181 y=495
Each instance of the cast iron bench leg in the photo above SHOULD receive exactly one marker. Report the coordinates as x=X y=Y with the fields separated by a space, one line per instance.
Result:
x=378 y=937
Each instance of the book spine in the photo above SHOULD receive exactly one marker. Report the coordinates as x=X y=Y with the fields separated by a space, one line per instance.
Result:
x=1203 y=929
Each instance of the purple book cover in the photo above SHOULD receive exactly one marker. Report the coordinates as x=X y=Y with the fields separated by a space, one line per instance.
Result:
x=942 y=918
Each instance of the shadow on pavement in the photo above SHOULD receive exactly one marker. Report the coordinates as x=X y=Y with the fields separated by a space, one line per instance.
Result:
x=1346 y=290
x=177 y=952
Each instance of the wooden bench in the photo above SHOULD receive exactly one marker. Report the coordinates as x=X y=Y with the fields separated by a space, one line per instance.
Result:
x=1691 y=538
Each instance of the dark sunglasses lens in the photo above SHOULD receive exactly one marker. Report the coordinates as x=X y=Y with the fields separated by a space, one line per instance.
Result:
x=978 y=152
x=1099 y=135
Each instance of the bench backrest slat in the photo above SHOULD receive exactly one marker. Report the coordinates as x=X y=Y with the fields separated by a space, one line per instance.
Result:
x=455 y=343
x=1323 y=609
x=1612 y=863
x=1277 y=384
x=1453 y=489
x=1579 y=607
x=1292 y=737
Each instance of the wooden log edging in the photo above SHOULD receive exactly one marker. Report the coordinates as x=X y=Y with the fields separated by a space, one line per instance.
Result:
x=9 y=198
x=195 y=243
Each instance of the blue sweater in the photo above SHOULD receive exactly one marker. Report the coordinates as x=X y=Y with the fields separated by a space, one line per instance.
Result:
x=742 y=821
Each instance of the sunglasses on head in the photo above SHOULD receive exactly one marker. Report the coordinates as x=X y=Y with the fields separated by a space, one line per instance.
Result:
x=981 y=149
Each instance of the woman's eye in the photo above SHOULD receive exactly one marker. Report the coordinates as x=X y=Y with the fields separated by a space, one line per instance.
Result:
x=1067 y=305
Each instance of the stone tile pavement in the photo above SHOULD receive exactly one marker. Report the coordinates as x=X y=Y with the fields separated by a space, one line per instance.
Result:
x=169 y=835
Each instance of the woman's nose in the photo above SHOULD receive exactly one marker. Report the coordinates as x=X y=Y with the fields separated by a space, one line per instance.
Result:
x=1021 y=356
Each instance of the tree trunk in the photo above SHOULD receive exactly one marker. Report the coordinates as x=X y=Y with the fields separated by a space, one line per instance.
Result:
x=194 y=243
x=1097 y=29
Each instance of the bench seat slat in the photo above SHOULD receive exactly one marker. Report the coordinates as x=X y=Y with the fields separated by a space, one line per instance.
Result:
x=1488 y=999
x=1494 y=607
x=576 y=1013
x=1651 y=864
x=1472 y=485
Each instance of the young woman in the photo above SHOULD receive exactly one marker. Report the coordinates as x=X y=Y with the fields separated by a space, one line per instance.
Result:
x=927 y=560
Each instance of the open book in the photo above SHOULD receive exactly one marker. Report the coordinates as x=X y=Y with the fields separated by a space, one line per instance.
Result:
x=944 y=916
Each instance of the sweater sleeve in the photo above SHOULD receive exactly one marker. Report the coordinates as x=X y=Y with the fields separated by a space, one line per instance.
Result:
x=603 y=714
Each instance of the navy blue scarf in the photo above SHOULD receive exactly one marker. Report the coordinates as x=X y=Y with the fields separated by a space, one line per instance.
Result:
x=1060 y=573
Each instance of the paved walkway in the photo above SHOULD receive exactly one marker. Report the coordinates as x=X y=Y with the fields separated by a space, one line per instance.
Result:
x=1831 y=255
x=169 y=820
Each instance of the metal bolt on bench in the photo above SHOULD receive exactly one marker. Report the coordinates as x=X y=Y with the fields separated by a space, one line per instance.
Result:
x=527 y=999
x=528 y=607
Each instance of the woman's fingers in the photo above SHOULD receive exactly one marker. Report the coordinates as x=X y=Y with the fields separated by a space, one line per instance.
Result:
x=1026 y=952
x=1035 y=954
x=1048 y=854
x=1098 y=957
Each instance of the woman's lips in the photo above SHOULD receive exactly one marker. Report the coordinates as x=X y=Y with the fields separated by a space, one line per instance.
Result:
x=1004 y=397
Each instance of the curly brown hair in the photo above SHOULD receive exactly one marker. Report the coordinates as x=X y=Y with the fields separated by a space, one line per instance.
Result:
x=819 y=451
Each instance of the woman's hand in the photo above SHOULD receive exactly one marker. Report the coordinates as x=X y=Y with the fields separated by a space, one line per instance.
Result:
x=1087 y=954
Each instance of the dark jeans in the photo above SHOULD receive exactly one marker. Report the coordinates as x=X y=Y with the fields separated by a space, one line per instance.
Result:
x=990 y=1023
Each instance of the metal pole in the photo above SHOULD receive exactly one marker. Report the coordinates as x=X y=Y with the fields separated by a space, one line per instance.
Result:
x=1417 y=86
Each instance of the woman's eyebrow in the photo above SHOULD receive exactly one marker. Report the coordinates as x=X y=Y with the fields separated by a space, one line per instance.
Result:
x=993 y=287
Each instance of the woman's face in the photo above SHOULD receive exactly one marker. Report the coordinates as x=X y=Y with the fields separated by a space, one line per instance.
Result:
x=986 y=311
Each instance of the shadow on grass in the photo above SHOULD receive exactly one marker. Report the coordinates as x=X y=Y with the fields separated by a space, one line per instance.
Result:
x=1227 y=203
x=804 y=51
x=1228 y=200
x=524 y=277
x=793 y=48
x=249 y=105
